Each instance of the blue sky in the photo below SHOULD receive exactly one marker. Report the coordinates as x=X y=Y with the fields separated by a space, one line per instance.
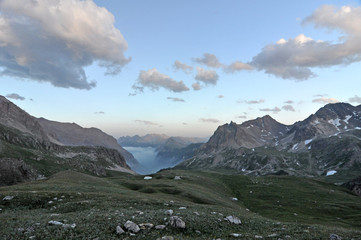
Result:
x=52 y=59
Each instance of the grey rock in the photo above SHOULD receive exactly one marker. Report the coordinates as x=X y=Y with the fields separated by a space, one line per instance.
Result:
x=119 y=230
x=177 y=222
x=177 y=178
x=55 y=223
x=131 y=227
x=8 y=198
x=169 y=212
x=166 y=238
x=146 y=225
x=160 y=227
x=335 y=237
x=236 y=235
x=232 y=219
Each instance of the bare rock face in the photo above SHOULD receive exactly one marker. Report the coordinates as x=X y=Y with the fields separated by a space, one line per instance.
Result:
x=71 y=134
x=177 y=222
x=13 y=116
x=355 y=186
x=13 y=171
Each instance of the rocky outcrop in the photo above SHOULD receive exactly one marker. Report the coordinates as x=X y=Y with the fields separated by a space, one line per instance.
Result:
x=71 y=134
x=14 y=171
x=355 y=186
x=328 y=140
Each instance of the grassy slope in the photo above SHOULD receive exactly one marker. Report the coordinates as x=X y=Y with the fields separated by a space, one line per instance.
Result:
x=298 y=207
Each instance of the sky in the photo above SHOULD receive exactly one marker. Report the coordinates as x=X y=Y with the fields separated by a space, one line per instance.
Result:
x=180 y=68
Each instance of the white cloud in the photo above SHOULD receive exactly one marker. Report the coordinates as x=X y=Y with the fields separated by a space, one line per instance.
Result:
x=147 y=122
x=154 y=80
x=208 y=59
x=355 y=99
x=237 y=66
x=209 y=120
x=52 y=41
x=289 y=102
x=288 y=108
x=175 y=99
x=15 y=96
x=294 y=58
x=196 y=86
x=324 y=100
x=207 y=76
x=255 y=101
x=182 y=66
x=274 y=110
x=242 y=116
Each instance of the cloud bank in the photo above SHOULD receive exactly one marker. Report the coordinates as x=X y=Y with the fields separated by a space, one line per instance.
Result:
x=52 y=41
x=296 y=57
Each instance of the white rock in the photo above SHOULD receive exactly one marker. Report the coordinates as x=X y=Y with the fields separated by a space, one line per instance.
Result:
x=234 y=199
x=159 y=227
x=119 y=230
x=147 y=178
x=8 y=198
x=146 y=225
x=177 y=178
x=236 y=235
x=169 y=212
x=55 y=223
x=131 y=227
x=258 y=237
x=69 y=225
x=50 y=202
x=196 y=213
x=232 y=219
x=182 y=208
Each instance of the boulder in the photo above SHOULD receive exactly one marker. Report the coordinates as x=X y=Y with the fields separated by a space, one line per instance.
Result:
x=177 y=222
x=119 y=230
x=131 y=227
x=232 y=219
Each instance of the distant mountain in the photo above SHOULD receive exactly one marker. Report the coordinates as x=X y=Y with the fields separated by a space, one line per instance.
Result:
x=327 y=141
x=27 y=149
x=71 y=134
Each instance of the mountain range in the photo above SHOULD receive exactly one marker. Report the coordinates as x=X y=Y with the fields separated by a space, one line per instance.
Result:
x=325 y=143
x=31 y=148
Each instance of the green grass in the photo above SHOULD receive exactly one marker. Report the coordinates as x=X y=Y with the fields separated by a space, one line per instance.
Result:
x=267 y=205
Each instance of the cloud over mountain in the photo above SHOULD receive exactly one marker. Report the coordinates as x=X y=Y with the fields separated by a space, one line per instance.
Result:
x=15 y=96
x=52 y=41
x=324 y=100
x=154 y=80
x=294 y=58
x=355 y=99
x=274 y=110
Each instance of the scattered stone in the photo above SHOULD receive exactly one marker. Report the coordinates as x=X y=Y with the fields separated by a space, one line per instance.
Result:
x=335 y=237
x=182 y=208
x=213 y=213
x=139 y=212
x=234 y=199
x=32 y=237
x=146 y=225
x=198 y=232
x=177 y=222
x=232 y=219
x=258 y=237
x=55 y=223
x=166 y=238
x=159 y=227
x=50 y=202
x=196 y=213
x=250 y=192
x=21 y=230
x=131 y=234
x=147 y=178
x=273 y=235
x=131 y=227
x=66 y=226
x=171 y=201
x=8 y=198
x=119 y=230
x=295 y=214
x=177 y=178
x=236 y=235
x=169 y=212
x=54 y=214
x=55 y=198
